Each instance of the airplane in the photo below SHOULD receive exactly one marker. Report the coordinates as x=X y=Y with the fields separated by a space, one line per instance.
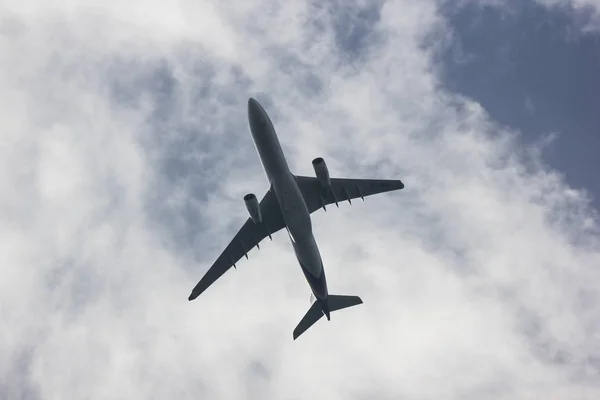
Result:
x=288 y=204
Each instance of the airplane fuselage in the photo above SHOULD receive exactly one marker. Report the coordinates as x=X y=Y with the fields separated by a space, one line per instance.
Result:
x=291 y=202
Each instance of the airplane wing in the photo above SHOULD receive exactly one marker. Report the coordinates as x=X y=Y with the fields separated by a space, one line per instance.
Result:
x=248 y=236
x=316 y=196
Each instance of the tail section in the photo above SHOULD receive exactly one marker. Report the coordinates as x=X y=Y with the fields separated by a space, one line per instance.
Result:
x=314 y=313
x=338 y=302
x=320 y=307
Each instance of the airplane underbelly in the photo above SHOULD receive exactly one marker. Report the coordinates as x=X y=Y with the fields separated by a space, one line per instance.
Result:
x=298 y=225
x=308 y=256
x=293 y=207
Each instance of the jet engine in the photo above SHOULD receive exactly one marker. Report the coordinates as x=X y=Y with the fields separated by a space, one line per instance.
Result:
x=253 y=208
x=321 y=171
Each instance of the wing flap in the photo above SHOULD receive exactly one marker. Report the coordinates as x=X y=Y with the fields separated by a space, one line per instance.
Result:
x=342 y=189
x=249 y=236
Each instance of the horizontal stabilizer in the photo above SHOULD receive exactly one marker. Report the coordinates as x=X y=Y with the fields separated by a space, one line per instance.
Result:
x=338 y=302
x=315 y=312
x=313 y=315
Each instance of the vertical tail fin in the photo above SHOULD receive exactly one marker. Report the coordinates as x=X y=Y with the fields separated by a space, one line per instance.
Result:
x=316 y=310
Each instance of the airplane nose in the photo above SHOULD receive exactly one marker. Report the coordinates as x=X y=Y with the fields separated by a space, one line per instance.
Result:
x=255 y=112
x=253 y=107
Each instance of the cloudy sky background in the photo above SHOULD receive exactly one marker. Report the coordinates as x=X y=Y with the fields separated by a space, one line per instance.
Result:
x=125 y=155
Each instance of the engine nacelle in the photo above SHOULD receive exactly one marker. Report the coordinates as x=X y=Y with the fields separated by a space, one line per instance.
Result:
x=321 y=171
x=253 y=208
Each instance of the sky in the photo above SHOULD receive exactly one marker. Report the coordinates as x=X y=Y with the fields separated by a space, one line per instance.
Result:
x=534 y=70
x=126 y=153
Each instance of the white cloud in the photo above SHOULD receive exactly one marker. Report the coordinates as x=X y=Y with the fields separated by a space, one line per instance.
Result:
x=125 y=155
